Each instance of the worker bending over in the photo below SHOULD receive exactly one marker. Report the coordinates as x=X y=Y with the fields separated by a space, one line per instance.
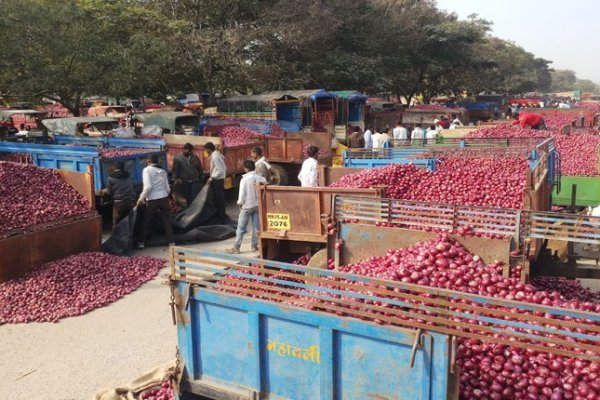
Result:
x=530 y=121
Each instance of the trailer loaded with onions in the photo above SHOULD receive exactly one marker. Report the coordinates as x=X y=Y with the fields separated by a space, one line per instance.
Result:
x=375 y=328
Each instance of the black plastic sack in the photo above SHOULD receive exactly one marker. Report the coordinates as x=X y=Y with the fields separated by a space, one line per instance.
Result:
x=122 y=239
x=202 y=212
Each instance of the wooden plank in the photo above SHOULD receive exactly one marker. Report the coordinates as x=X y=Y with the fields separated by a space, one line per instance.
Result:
x=83 y=182
x=23 y=253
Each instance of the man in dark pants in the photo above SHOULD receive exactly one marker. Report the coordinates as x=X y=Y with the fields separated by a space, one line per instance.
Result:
x=155 y=195
x=217 y=180
x=120 y=188
x=187 y=171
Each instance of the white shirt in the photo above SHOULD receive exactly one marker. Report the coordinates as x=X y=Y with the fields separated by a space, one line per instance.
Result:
x=378 y=140
x=217 y=165
x=248 y=197
x=263 y=160
x=309 y=174
x=431 y=133
x=156 y=183
x=417 y=133
x=400 y=133
x=457 y=122
x=368 y=139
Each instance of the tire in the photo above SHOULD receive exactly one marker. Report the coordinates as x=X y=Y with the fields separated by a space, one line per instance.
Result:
x=279 y=175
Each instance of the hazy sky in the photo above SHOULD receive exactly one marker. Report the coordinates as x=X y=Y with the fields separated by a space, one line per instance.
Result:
x=564 y=31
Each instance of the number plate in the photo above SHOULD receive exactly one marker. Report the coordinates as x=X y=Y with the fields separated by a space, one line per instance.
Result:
x=277 y=221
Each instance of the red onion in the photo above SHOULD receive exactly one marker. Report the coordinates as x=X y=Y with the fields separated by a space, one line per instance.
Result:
x=73 y=286
x=31 y=196
x=162 y=392
x=235 y=136
x=114 y=152
x=491 y=182
x=487 y=370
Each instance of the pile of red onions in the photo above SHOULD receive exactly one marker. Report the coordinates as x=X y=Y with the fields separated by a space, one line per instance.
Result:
x=487 y=371
x=491 y=182
x=164 y=392
x=235 y=136
x=115 y=152
x=30 y=196
x=23 y=158
x=568 y=288
x=579 y=153
x=73 y=286
x=578 y=150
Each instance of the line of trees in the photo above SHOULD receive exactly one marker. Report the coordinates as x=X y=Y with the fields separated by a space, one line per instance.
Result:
x=68 y=49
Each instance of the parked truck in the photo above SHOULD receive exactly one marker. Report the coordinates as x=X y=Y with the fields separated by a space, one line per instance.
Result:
x=78 y=158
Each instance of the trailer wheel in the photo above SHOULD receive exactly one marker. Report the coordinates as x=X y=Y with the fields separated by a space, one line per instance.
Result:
x=279 y=175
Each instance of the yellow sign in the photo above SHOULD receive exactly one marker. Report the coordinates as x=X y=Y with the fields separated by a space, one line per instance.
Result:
x=278 y=221
x=283 y=349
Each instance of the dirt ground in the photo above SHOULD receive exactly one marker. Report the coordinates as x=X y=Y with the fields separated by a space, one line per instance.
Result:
x=110 y=346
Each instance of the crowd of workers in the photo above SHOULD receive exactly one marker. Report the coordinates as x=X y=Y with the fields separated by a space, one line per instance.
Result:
x=376 y=138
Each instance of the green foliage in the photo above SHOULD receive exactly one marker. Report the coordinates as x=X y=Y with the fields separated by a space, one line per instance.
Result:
x=68 y=49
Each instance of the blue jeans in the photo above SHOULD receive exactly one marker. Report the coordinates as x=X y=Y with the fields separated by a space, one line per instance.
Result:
x=247 y=215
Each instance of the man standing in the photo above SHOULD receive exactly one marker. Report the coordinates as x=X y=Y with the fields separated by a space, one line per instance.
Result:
x=368 y=138
x=120 y=188
x=263 y=168
x=187 y=171
x=155 y=195
x=248 y=202
x=400 y=132
x=309 y=173
x=217 y=179
x=377 y=140
x=356 y=139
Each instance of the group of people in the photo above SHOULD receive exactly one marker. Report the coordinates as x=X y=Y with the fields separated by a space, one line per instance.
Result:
x=401 y=133
x=188 y=176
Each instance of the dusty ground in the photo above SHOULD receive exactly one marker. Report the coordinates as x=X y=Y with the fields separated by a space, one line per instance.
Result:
x=74 y=358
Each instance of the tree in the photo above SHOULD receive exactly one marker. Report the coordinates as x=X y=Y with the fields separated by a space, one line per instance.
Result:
x=507 y=68
x=563 y=80
x=63 y=50
x=586 y=85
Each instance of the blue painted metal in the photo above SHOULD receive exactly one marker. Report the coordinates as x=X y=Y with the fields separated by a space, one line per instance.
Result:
x=78 y=158
x=299 y=354
x=268 y=347
x=111 y=141
x=388 y=156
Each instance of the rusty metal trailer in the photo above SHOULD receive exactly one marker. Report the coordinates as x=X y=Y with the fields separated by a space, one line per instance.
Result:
x=367 y=227
x=25 y=249
x=285 y=154
x=254 y=329
x=294 y=220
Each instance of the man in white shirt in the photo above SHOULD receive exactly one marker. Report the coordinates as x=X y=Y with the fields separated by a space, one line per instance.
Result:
x=368 y=139
x=377 y=140
x=417 y=133
x=309 y=173
x=248 y=202
x=155 y=196
x=400 y=132
x=431 y=132
x=455 y=121
x=217 y=180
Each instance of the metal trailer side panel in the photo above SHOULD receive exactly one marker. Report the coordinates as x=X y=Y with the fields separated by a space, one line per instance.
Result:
x=249 y=349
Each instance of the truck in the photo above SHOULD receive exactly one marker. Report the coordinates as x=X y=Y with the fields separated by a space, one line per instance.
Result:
x=79 y=158
x=22 y=125
x=81 y=126
x=251 y=329
x=285 y=154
